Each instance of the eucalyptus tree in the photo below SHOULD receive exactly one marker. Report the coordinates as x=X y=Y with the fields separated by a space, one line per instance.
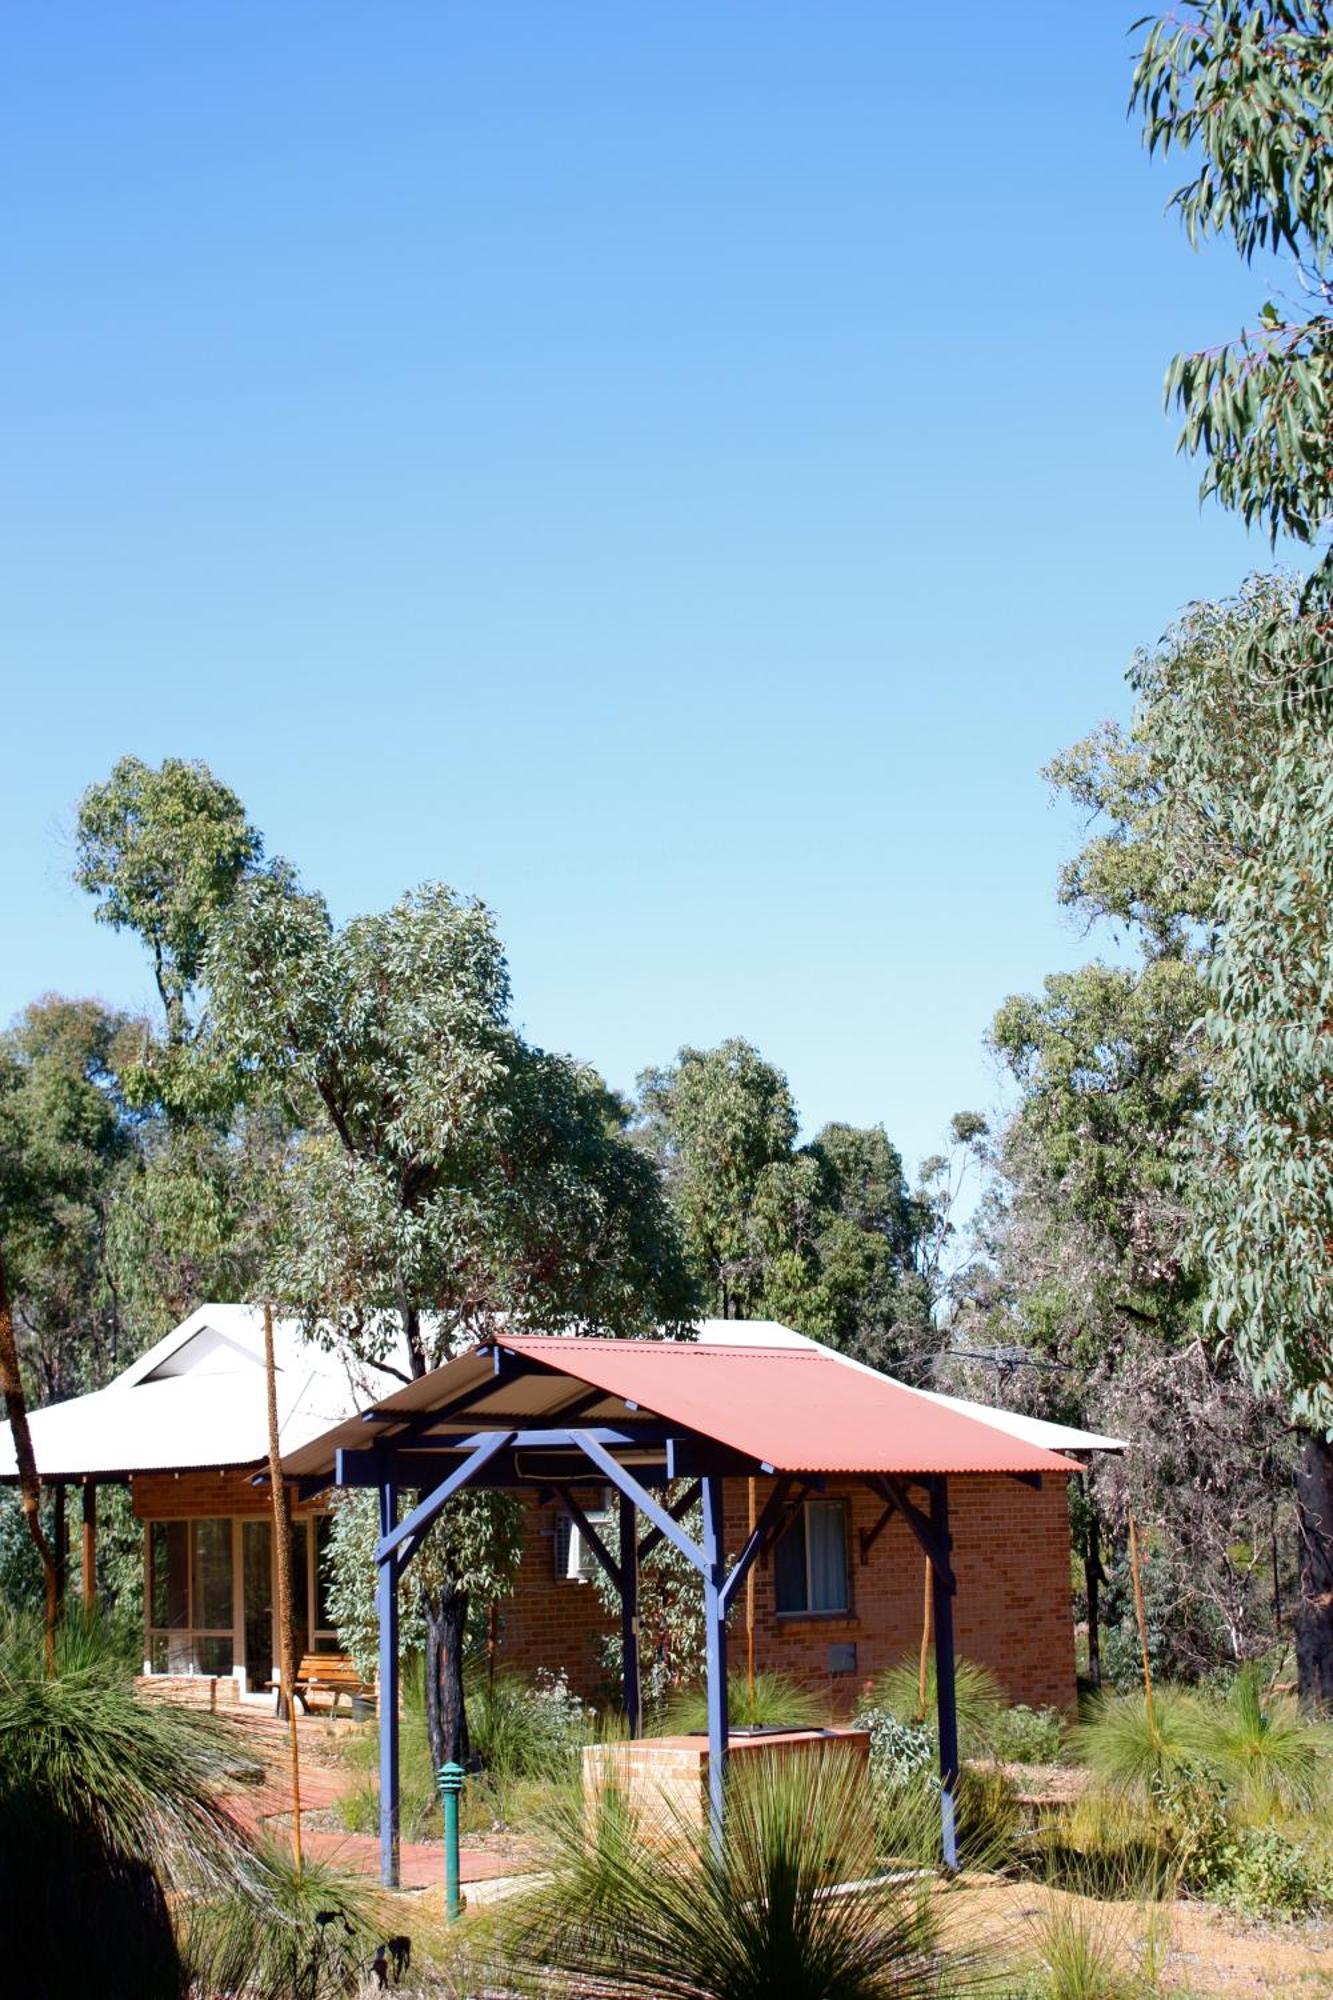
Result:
x=162 y=850
x=446 y=1173
x=720 y=1121
x=824 y=1237
x=1246 y=91
x=74 y=1139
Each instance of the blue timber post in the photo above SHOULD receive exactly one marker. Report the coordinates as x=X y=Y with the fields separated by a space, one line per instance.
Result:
x=386 y=1604
x=629 y=1612
x=946 y=1701
x=715 y=1652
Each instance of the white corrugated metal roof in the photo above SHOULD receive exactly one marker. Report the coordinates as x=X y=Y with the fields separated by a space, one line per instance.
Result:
x=197 y=1398
x=1032 y=1430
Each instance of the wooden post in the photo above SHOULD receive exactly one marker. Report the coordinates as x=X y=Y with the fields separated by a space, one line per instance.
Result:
x=1141 y=1619
x=60 y=1539
x=927 y=1637
x=89 y=1547
x=715 y=1653
x=946 y=1701
x=282 y=1549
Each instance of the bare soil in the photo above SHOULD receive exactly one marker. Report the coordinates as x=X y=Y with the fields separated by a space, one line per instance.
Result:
x=1193 y=1948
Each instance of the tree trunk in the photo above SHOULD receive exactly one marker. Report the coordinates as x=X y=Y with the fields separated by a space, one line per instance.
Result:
x=30 y=1486
x=1314 y=1615
x=60 y=1540
x=446 y=1714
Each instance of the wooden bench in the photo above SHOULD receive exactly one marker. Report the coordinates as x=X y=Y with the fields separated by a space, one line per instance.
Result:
x=328 y=1673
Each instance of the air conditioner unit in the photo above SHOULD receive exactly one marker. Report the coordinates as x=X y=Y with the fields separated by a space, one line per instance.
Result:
x=575 y=1561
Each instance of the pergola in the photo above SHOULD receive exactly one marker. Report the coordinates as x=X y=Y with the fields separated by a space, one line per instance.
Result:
x=551 y=1414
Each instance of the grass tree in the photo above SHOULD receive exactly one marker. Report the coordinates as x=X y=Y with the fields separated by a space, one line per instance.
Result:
x=792 y=1905
x=108 y=1810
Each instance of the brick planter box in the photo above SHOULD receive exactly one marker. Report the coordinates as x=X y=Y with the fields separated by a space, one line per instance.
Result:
x=664 y=1779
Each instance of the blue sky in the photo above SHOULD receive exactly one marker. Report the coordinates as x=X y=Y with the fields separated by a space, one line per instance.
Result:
x=675 y=468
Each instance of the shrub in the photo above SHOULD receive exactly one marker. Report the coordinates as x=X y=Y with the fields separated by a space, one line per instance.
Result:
x=791 y=1907
x=1023 y=1735
x=522 y=1733
x=899 y=1751
x=1256 y=1870
x=978 y=1697
x=1129 y=1748
x=1271 y=1876
x=1082 y=1951
x=107 y=1805
x=1267 y=1754
x=286 y=1936
x=778 y=1702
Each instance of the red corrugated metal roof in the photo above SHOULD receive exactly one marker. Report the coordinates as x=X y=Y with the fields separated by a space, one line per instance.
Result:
x=797 y=1410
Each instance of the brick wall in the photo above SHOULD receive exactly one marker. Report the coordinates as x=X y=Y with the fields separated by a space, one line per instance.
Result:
x=1012 y=1613
x=1011 y=1557
x=195 y=1496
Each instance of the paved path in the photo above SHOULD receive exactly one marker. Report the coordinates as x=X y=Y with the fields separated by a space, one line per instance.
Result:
x=322 y=1785
x=421 y=1863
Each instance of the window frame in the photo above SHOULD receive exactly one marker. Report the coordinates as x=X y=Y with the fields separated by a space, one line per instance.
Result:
x=805 y=1610
x=184 y=1639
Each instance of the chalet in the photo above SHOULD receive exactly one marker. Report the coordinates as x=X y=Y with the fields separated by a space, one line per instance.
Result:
x=185 y=1428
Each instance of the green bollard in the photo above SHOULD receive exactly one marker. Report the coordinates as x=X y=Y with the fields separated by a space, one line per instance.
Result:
x=451 y=1784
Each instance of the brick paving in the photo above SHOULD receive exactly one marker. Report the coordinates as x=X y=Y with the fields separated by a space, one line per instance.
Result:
x=264 y=1739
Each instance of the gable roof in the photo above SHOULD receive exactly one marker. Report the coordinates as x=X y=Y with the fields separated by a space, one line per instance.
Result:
x=792 y=1409
x=195 y=1399
x=1034 y=1430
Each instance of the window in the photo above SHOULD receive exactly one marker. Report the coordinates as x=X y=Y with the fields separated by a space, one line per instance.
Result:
x=810 y=1561
x=190 y=1597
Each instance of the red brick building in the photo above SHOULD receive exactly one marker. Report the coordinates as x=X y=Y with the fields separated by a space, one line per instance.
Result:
x=839 y=1598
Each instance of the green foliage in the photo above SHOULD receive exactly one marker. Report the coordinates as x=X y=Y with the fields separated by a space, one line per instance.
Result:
x=141 y=1778
x=899 y=1751
x=1130 y=1747
x=1256 y=1870
x=722 y=1121
x=671 y=1614
x=1083 y=1952
x=1246 y=90
x=1271 y=1875
x=528 y=1736
x=107 y=1808
x=448 y=1166
x=163 y=852
x=1023 y=1735
x=1266 y=1240
x=1106 y=1846
x=529 y=1729
x=778 y=1702
x=1267 y=1754
x=285 y=1935
x=824 y=1237
x=620 y=1914
x=978 y=1696
x=68 y=1136
x=474 y=1546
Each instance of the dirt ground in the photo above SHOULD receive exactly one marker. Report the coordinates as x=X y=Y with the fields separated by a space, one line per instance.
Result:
x=1192 y=1947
